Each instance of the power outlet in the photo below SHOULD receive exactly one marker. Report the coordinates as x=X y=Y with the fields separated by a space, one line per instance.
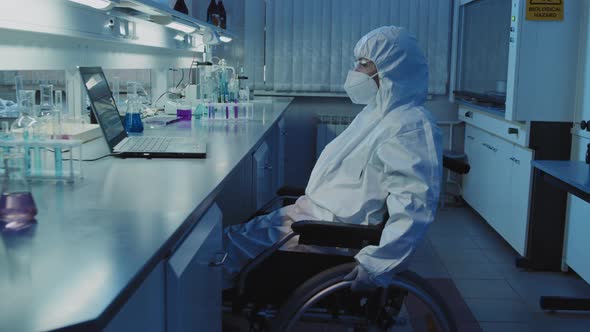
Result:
x=119 y=27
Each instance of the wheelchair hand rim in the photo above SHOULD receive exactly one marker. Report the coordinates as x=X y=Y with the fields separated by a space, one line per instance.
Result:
x=406 y=285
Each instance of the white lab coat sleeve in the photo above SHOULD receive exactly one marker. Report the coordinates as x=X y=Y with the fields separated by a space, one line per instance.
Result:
x=411 y=169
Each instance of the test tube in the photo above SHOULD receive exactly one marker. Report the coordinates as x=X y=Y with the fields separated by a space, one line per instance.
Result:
x=18 y=86
x=57 y=118
x=58 y=161
x=116 y=89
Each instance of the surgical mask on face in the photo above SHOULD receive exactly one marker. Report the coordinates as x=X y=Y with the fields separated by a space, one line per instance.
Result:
x=360 y=87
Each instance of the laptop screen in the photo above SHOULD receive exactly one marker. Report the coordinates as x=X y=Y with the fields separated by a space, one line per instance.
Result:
x=103 y=105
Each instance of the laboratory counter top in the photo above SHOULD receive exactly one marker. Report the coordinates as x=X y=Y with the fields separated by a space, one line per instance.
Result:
x=574 y=173
x=97 y=239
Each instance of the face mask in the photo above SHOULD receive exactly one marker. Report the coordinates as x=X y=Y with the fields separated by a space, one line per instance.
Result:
x=360 y=87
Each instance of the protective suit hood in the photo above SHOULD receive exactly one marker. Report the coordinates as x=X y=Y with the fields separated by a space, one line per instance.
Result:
x=402 y=67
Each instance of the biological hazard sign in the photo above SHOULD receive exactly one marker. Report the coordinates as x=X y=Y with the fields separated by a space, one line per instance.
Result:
x=544 y=10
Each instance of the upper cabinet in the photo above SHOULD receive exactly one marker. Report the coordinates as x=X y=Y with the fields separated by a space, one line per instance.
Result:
x=530 y=63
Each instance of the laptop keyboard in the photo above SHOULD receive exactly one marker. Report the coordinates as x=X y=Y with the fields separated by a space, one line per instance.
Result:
x=146 y=144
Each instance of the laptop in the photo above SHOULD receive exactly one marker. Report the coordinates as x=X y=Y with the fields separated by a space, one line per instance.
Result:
x=106 y=113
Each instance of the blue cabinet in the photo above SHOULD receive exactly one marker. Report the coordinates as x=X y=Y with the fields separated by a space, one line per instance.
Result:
x=193 y=278
x=182 y=293
x=145 y=310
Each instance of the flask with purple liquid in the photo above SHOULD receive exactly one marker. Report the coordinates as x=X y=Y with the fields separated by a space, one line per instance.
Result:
x=17 y=206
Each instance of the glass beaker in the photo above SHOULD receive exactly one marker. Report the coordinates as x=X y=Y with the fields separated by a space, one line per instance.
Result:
x=133 y=121
x=46 y=99
x=26 y=118
x=17 y=206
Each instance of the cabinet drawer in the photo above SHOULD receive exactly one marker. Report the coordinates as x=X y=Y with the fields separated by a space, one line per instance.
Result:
x=193 y=283
x=514 y=132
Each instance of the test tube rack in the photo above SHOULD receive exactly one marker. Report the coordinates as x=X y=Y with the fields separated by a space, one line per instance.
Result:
x=226 y=111
x=47 y=159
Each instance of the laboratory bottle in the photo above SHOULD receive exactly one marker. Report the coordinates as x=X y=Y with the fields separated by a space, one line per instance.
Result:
x=180 y=6
x=222 y=15
x=212 y=14
x=133 y=123
x=17 y=206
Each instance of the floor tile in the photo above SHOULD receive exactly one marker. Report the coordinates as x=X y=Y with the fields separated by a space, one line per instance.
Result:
x=462 y=256
x=531 y=287
x=429 y=269
x=456 y=242
x=505 y=327
x=570 y=322
x=499 y=310
x=473 y=271
x=486 y=289
x=501 y=255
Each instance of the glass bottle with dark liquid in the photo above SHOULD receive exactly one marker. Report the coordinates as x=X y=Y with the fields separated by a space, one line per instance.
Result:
x=17 y=206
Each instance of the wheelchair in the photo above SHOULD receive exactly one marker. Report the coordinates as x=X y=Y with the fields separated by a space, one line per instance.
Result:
x=280 y=290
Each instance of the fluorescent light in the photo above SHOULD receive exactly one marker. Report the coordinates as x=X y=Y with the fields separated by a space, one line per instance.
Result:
x=225 y=39
x=181 y=27
x=98 y=4
x=210 y=37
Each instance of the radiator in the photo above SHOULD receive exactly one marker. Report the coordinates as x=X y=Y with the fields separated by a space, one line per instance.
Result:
x=330 y=126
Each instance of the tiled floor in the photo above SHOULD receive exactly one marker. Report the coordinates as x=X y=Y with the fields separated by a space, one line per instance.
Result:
x=461 y=246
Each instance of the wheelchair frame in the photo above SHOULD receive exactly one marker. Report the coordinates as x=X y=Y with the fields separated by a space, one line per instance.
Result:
x=326 y=283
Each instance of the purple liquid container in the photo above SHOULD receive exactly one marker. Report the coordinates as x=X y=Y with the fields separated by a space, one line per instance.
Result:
x=184 y=114
x=17 y=210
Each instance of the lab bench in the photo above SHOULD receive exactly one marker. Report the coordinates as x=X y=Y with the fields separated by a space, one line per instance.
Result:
x=136 y=244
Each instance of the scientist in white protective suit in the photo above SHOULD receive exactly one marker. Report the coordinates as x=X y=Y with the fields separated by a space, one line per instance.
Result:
x=388 y=160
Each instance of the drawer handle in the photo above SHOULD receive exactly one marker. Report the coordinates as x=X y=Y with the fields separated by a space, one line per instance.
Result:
x=470 y=137
x=469 y=114
x=512 y=131
x=220 y=261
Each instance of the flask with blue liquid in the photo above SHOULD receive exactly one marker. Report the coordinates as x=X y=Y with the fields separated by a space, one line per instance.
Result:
x=133 y=123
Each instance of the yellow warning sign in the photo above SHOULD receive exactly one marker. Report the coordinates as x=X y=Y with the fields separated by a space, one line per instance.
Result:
x=544 y=10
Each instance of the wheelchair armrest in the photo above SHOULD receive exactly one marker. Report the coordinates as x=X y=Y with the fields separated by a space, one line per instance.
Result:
x=333 y=234
x=290 y=191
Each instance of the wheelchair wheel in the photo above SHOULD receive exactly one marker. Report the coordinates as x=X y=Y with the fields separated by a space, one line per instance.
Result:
x=362 y=310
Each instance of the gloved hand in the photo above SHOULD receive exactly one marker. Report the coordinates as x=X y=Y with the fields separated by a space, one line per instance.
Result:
x=361 y=280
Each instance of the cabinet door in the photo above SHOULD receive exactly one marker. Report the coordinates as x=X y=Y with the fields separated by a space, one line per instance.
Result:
x=472 y=180
x=515 y=229
x=193 y=278
x=145 y=310
x=577 y=245
x=263 y=182
x=497 y=188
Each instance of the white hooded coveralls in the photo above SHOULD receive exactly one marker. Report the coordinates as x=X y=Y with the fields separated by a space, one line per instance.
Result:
x=388 y=160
